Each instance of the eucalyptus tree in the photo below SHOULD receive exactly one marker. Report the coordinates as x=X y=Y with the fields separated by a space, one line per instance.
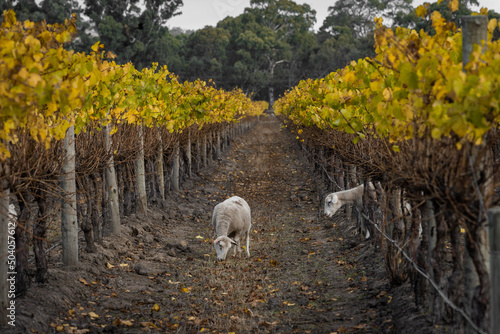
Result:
x=244 y=66
x=133 y=29
x=347 y=32
x=205 y=51
x=25 y=9
x=411 y=20
x=269 y=35
x=285 y=25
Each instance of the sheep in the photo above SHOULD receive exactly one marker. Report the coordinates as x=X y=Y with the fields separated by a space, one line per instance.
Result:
x=334 y=201
x=231 y=220
x=354 y=196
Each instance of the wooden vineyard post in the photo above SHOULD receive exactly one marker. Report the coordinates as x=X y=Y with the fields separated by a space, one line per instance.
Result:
x=69 y=223
x=218 y=154
x=140 y=172
x=176 y=166
x=494 y=220
x=474 y=31
x=226 y=133
x=198 y=154
x=188 y=154
x=159 y=165
x=111 y=185
x=204 y=151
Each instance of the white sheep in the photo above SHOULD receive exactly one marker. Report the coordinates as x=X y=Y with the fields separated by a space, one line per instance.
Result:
x=335 y=201
x=231 y=220
x=354 y=196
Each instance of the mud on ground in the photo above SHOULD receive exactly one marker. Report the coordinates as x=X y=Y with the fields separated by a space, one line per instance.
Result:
x=306 y=273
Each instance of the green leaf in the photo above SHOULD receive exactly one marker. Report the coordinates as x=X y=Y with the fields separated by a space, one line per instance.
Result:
x=408 y=76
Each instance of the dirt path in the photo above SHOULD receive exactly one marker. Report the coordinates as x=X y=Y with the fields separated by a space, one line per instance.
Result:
x=306 y=273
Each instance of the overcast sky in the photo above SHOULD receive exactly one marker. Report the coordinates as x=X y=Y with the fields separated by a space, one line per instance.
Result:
x=197 y=14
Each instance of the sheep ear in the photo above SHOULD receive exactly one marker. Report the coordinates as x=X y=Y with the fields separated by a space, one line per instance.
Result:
x=233 y=242
x=335 y=199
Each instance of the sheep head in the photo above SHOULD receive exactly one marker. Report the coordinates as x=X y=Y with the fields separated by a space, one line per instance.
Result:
x=222 y=245
x=332 y=204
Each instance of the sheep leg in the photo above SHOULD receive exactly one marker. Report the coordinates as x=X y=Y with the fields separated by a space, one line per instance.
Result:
x=248 y=243
x=237 y=246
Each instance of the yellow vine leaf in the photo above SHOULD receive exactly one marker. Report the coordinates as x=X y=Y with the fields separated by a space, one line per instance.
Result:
x=453 y=5
x=492 y=24
x=421 y=11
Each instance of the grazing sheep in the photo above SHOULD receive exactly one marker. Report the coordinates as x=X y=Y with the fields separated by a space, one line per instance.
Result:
x=231 y=220
x=354 y=196
x=335 y=201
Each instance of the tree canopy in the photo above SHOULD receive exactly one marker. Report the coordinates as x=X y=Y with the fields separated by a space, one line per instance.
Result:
x=264 y=51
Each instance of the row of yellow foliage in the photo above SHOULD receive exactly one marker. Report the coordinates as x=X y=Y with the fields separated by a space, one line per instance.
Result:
x=46 y=88
x=415 y=87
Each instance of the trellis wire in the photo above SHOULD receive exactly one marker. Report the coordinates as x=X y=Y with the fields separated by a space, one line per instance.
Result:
x=57 y=244
x=324 y=169
x=417 y=268
x=425 y=275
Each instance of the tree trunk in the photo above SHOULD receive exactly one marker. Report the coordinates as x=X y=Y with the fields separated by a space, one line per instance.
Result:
x=438 y=260
x=455 y=286
x=83 y=209
x=69 y=223
x=271 y=94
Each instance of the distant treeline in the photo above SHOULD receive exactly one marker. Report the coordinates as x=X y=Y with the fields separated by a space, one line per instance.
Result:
x=264 y=51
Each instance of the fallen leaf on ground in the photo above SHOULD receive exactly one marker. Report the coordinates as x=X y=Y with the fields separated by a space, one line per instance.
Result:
x=93 y=315
x=148 y=324
x=119 y=322
x=83 y=281
x=382 y=293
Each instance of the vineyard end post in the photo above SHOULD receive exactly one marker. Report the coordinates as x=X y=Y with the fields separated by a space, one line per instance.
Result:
x=494 y=226
x=474 y=32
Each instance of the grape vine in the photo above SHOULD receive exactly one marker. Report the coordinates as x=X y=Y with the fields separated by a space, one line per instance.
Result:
x=45 y=88
x=418 y=122
x=414 y=86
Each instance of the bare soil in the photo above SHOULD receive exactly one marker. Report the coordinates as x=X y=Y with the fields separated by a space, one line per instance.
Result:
x=306 y=273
